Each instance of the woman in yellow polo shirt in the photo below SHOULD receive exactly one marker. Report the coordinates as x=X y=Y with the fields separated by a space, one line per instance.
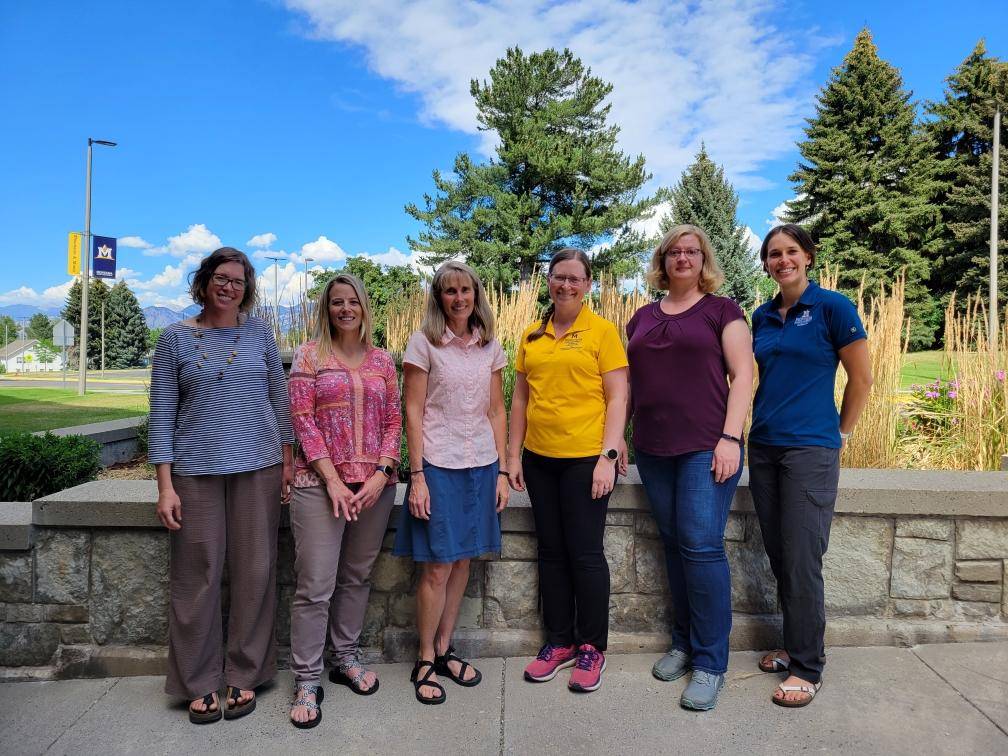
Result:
x=568 y=411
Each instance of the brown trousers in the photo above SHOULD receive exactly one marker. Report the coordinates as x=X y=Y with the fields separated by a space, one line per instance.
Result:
x=333 y=565
x=230 y=519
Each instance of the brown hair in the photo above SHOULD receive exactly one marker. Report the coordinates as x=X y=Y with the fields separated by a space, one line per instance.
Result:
x=435 y=321
x=323 y=325
x=199 y=279
x=567 y=253
x=711 y=275
x=796 y=232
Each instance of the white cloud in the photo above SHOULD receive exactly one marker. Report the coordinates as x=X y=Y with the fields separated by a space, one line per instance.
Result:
x=752 y=241
x=777 y=214
x=682 y=73
x=321 y=250
x=266 y=254
x=196 y=239
x=134 y=242
x=397 y=257
x=262 y=240
x=54 y=296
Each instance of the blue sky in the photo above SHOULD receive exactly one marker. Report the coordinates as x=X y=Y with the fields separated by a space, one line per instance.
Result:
x=301 y=128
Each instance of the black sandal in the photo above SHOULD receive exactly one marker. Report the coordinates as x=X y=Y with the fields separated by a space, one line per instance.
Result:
x=319 y=692
x=236 y=709
x=340 y=675
x=207 y=716
x=419 y=681
x=441 y=667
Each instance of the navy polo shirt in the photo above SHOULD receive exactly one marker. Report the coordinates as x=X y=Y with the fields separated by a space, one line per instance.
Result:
x=797 y=360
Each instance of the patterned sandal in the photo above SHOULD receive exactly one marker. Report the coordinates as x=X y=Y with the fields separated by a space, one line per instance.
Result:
x=341 y=676
x=775 y=661
x=300 y=700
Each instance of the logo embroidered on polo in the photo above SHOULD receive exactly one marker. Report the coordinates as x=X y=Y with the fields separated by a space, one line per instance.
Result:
x=572 y=341
x=804 y=319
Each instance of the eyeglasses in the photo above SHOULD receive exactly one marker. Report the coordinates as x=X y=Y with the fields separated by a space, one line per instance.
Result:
x=674 y=253
x=562 y=279
x=222 y=281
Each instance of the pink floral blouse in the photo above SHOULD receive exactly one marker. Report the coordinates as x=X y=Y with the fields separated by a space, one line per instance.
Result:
x=351 y=416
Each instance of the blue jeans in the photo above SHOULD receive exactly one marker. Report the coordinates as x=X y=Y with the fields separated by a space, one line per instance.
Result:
x=691 y=511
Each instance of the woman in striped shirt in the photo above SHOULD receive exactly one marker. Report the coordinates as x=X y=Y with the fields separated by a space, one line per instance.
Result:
x=345 y=407
x=220 y=437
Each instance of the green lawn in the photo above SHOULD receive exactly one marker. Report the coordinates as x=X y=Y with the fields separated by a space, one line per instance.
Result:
x=29 y=409
x=921 y=367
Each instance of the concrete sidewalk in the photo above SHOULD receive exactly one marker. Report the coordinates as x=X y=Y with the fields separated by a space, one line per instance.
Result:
x=950 y=698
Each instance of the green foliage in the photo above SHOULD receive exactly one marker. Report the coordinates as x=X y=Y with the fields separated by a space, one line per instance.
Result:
x=152 y=338
x=125 y=329
x=40 y=465
x=385 y=284
x=9 y=329
x=865 y=183
x=39 y=327
x=704 y=198
x=931 y=410
x=557 y=179
x=46 y=351
x=97 y=293
x=962 y=134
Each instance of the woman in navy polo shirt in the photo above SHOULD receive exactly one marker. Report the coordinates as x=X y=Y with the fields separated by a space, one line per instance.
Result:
x=799 y=338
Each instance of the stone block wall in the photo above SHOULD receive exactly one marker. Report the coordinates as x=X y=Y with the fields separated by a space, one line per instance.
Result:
x=81 y=600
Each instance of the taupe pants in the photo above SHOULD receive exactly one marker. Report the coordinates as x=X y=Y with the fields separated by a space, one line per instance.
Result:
x=233 y=519
x=333 y=565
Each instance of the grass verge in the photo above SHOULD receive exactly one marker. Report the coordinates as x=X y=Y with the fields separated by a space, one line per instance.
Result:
x=31 y=409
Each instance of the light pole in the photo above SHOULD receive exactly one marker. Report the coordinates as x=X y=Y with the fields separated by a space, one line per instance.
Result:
x=995 y=170
x=276 y=294
x=103 y=338
x=306 y=287
x=86 y=269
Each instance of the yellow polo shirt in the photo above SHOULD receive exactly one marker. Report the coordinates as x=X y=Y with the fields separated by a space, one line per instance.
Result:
x=566 y=406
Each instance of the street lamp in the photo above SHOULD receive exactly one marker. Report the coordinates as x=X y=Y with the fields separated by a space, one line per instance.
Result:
x=304 y=288
x=276 y=294
x=86 y=269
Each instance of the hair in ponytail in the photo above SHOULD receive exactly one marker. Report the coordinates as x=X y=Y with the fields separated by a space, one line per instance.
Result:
x=567 y=253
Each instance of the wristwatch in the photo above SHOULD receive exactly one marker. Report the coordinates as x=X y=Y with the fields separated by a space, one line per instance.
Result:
x=386 y=469
x=611 y=454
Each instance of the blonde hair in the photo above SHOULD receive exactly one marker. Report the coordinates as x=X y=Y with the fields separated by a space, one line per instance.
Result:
x=711 y=275
x=323 y=325
x=567 y=253
x=435 y=321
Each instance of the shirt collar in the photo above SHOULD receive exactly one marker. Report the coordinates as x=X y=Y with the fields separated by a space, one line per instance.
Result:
x=581 y=323
x=808 y=297
x=449 y=336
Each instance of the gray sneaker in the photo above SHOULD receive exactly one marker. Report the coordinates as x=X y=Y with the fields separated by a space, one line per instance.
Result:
x=702 y=692
x=672 y=666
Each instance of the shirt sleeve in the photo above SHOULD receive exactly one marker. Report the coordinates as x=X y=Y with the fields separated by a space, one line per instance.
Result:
x=302 y=404
x=843 y=322
x=164 y=399
x=278 y=389
x=631 y=325
x=611 y=353
x=520 y=356
x=730 y=313
x=499 y=359
x=418 y=351
x=392 y=428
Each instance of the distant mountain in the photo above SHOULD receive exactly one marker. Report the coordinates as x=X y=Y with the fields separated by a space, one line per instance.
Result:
x=159 y=317
x=18 y=311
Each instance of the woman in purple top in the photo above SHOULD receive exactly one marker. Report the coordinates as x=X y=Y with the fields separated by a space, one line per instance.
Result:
x=691 y=373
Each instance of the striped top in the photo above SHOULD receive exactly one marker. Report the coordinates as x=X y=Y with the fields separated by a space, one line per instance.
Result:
x=218 y=400
x=350 y=415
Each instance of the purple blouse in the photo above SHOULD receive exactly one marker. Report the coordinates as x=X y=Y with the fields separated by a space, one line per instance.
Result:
x=678 y=376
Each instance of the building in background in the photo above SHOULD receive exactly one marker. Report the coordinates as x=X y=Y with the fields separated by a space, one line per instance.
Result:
x=30 y=356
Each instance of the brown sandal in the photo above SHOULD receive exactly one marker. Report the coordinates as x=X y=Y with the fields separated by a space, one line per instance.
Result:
x=208 y=715
x=809 y=689
x=236 y=710
x=775 y=661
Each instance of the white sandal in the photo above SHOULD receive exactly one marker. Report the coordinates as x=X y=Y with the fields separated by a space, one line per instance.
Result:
x=810 y=690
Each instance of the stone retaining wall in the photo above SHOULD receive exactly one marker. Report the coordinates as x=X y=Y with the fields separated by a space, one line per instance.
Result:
x=914 y=557
x=119 y=439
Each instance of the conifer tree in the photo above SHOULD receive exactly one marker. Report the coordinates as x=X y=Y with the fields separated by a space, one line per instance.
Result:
x=704 y=198
x=39 y=327
x=962 y=133
x=558 y=177
x=97 y=292
x=865 y=181
x=125 y=329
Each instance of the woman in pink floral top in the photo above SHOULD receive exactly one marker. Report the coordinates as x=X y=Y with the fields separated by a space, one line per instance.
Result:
x=345 y=410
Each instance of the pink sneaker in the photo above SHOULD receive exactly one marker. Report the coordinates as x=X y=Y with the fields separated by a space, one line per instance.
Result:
x=551 y=659
x=587 y=674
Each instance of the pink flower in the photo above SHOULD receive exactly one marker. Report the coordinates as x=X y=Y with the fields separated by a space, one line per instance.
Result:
x=1000 y=375
x=952 y=394
x=931 y=395
x=915 y=387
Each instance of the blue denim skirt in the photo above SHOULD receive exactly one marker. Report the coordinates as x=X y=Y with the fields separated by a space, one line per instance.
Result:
x=463 y=521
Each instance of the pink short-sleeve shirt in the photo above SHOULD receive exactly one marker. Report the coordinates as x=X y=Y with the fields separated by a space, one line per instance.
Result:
x=456 y=430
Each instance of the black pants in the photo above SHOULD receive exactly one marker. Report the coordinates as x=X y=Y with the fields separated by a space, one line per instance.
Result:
x=573 y=571
x=794 y=491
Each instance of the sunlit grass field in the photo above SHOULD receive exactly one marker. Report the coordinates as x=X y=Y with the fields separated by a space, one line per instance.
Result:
x=31 y=409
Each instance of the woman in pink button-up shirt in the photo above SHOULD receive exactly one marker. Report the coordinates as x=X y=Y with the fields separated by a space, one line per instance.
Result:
x=456 y=429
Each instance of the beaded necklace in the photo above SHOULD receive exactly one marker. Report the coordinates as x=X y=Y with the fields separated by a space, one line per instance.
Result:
x=202 y=358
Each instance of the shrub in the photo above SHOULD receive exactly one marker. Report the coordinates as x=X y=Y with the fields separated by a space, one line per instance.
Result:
x=36 y=466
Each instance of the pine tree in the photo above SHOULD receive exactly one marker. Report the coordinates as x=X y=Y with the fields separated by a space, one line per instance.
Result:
x=962 y=133
x=9 y=329
x=865 y=182
x=557 y=179
x=704 y=198
x=97 y=292
x=125 y=329
x=39 y=327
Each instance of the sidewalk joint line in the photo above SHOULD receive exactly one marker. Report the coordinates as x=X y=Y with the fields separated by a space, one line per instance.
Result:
x=502 y=692
x=941 y=677
x=81 y=715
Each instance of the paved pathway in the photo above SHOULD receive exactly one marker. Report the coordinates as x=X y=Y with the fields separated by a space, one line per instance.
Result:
x=950 y=698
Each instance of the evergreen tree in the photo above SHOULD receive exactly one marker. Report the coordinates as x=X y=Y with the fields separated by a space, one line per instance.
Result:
x=557 y=179
x=97 y=292
x=125 y=329
x=9 y=329
x=962 y=134
x=865 y=182
x=39 y=327
x=704 y=198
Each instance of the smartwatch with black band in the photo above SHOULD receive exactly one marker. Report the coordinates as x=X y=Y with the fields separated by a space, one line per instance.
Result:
x=386 y=469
